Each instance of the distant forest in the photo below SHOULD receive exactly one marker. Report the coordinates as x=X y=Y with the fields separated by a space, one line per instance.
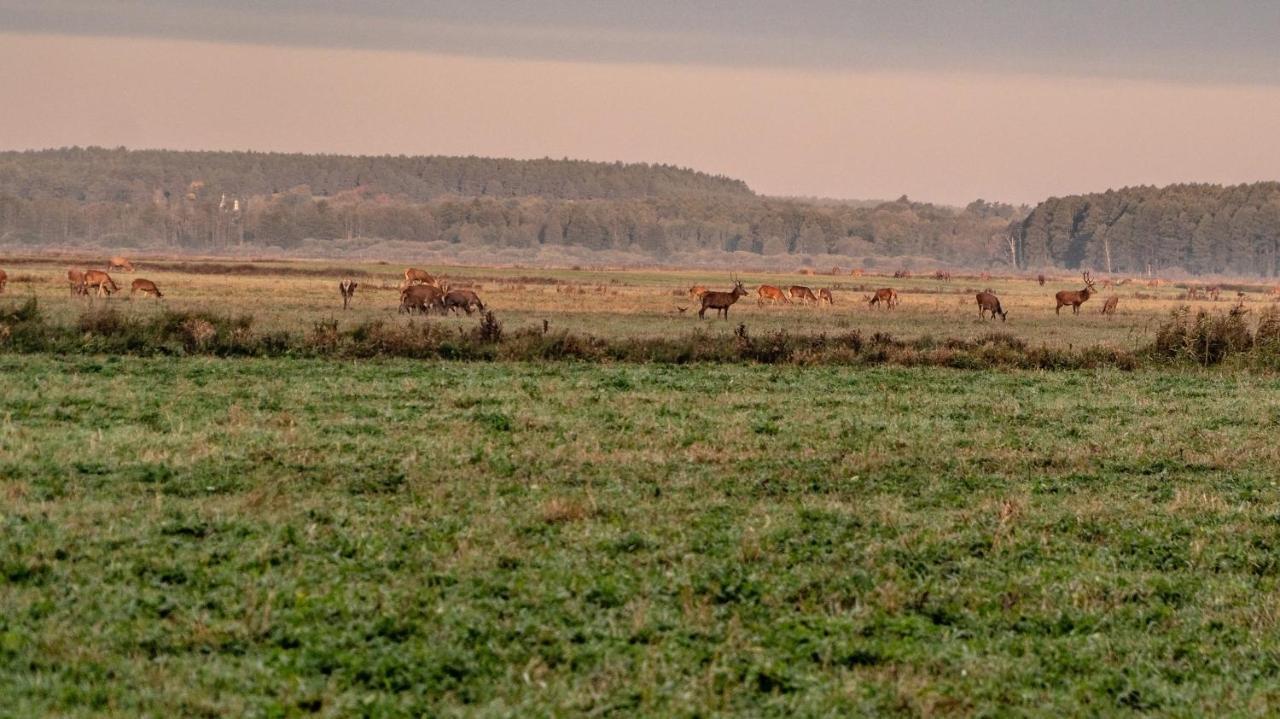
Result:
x=218 y=201
x=1198 y=229
x=208 y=201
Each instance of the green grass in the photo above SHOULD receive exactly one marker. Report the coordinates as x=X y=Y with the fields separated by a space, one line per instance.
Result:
x=197 y=536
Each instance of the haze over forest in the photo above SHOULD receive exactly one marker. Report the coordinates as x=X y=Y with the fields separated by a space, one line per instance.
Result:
x=159 y=200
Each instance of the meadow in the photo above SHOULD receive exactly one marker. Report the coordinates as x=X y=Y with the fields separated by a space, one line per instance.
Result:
x=288 y=536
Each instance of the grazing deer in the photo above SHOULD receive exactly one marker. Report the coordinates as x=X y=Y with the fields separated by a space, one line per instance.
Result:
x=4 y=279
x=722 y=301
x=464 y=299
x=825 y=294
x=885 y=297
x=1075 y=298
x=120 y=263
x=901 y=274
x=1109 y=307
x=421 y=298
x=414 y=276
x=76 y=279
x=696 y=291
x=988 y=302
x=100 y=280
x=770 y=293
x=802 y=293
x=348 y=290
x=1040 y=279
x=942 y=275
x=146 y=287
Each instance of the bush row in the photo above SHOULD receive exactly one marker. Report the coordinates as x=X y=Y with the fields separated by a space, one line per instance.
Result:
x=1203 y=339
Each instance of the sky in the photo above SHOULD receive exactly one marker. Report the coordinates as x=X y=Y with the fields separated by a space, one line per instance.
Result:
x=941 y=101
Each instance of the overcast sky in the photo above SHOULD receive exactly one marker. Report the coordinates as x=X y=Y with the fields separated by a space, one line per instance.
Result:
x=942 y=101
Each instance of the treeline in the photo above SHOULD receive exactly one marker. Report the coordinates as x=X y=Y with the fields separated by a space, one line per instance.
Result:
x=1198 y=229
x=210 y=201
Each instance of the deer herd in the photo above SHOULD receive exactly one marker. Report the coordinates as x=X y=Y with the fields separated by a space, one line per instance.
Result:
x=423 y=293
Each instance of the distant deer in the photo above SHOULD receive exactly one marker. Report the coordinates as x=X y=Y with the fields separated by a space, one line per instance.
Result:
x=76 y=279
x=856 y=272
x=942 y=275
x=901 y=274
x=4 y=279
x=770 y=293
x=413 y=276
x=1109 y=307
x=146 y=287
x=347 y=288
x=802 y=293
x=101 y=281
x=988 y=302
x=421 y=298
x=463 y=299
x=1040 y=279
x=825 y=294
x=120 y=263
x=886 y=297
x=1214 y=293
x=1075 y=298
x=722 y=301
x=696 y=291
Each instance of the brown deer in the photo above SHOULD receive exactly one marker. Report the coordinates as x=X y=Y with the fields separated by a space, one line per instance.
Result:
x=856 y=272
x=1040 y=279
x=825 y=294
x=1109 y=307
x=802 y=293
x=146 y=287
x=413 y=276
x=1075 y=298
x=4 y=279
x=942 y=275
x=722 y=301
x=885 y=297
x=835 y=270
x=101 y=281
x=462 y=299
x=901 y=274
x=347 y=288
x=988 y=302
x=696 y=291
x=120 y=263
x=1214 y=293
x=421 y=298
x=770 y=293
x=76 y=279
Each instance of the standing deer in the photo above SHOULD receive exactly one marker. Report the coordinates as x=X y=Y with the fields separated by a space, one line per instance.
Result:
x=146 y=287
x=100 y=280
x=1109 y=307
x=825 y=294
x=462 y=299
x=4 y=279
x=722 y=301
x=696 y=291
x=119 y=263
x=856 y=272
x=988 y=302
x=770 y=293
x=1040 y=279
x=414 y=276
x=76 y=279
x=421 y=298
x=348 y=290
x=1075 y=298
x=885 y=297
x=802 y=293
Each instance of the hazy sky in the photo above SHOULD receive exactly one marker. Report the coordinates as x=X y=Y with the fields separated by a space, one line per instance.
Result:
x=941 y=101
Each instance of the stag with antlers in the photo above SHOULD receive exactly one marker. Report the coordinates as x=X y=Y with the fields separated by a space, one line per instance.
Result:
x=722 y=301
x=1075 y=298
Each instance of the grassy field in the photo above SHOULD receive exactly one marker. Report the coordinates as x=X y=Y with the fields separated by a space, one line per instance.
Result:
x=291 y=296
x=208 y=537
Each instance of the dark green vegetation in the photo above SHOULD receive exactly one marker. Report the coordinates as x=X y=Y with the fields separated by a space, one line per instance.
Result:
x=199 y=536
x=165 y=200
x=1202 y=229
